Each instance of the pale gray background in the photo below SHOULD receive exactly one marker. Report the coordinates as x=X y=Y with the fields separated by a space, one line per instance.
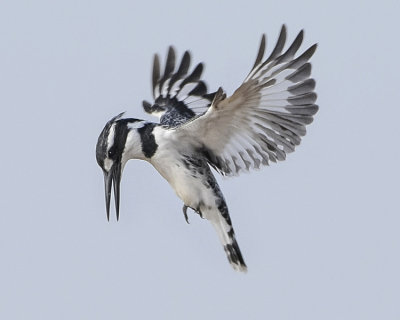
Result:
x=319 y=232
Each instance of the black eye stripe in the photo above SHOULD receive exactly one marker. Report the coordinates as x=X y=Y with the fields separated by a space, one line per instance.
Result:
x=112 y=152
x=120 y=134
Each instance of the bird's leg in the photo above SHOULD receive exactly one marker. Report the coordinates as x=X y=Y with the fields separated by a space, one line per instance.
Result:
x=199 y=213
x=184 y=209
x=198 y=210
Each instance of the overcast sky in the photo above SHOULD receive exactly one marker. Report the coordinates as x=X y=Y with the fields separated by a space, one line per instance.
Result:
x=319 y=232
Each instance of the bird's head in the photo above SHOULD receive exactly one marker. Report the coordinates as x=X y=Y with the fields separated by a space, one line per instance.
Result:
x=112 y=152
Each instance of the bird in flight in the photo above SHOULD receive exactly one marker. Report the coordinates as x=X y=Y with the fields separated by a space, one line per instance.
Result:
x=262 y=121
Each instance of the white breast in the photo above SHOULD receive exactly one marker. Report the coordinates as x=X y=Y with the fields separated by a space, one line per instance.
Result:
x=188 y=186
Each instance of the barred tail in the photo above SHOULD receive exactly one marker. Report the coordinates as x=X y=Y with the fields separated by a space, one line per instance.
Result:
x=231 y=247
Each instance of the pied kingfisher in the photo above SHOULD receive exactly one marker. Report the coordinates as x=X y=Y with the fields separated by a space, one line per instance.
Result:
x=259 y=123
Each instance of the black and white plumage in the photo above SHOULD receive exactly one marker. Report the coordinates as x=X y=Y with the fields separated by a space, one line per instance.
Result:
x=178 y=96
x=260 y=123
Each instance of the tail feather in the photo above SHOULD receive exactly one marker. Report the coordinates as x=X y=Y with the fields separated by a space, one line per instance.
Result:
x=231 y=247
x=235 y=256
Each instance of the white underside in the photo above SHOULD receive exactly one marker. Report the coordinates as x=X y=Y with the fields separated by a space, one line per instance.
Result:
x=190 y=189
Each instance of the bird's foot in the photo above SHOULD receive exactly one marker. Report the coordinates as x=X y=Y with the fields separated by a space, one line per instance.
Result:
x=199 y=213
x=184 y=209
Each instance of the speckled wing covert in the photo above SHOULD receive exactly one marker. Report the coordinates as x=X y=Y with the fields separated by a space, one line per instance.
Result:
x=178 y=94
x=266 y=116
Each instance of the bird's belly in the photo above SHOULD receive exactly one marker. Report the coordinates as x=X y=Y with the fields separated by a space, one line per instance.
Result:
x=190 y=186
x=191 y=191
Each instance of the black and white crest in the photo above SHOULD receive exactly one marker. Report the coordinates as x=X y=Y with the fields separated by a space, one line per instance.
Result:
x=104 y=142
x=179 y=95
x=112 y=139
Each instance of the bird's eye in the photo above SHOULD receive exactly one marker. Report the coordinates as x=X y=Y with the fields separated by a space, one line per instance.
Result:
x=111 y=152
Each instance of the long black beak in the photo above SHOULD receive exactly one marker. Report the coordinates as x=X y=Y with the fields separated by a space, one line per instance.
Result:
x=112 y=178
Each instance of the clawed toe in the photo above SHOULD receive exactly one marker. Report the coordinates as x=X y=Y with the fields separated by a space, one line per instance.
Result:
x=184 y=209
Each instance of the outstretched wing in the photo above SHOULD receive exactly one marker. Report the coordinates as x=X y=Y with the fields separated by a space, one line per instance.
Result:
x=266 y=116
x=178 y=94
